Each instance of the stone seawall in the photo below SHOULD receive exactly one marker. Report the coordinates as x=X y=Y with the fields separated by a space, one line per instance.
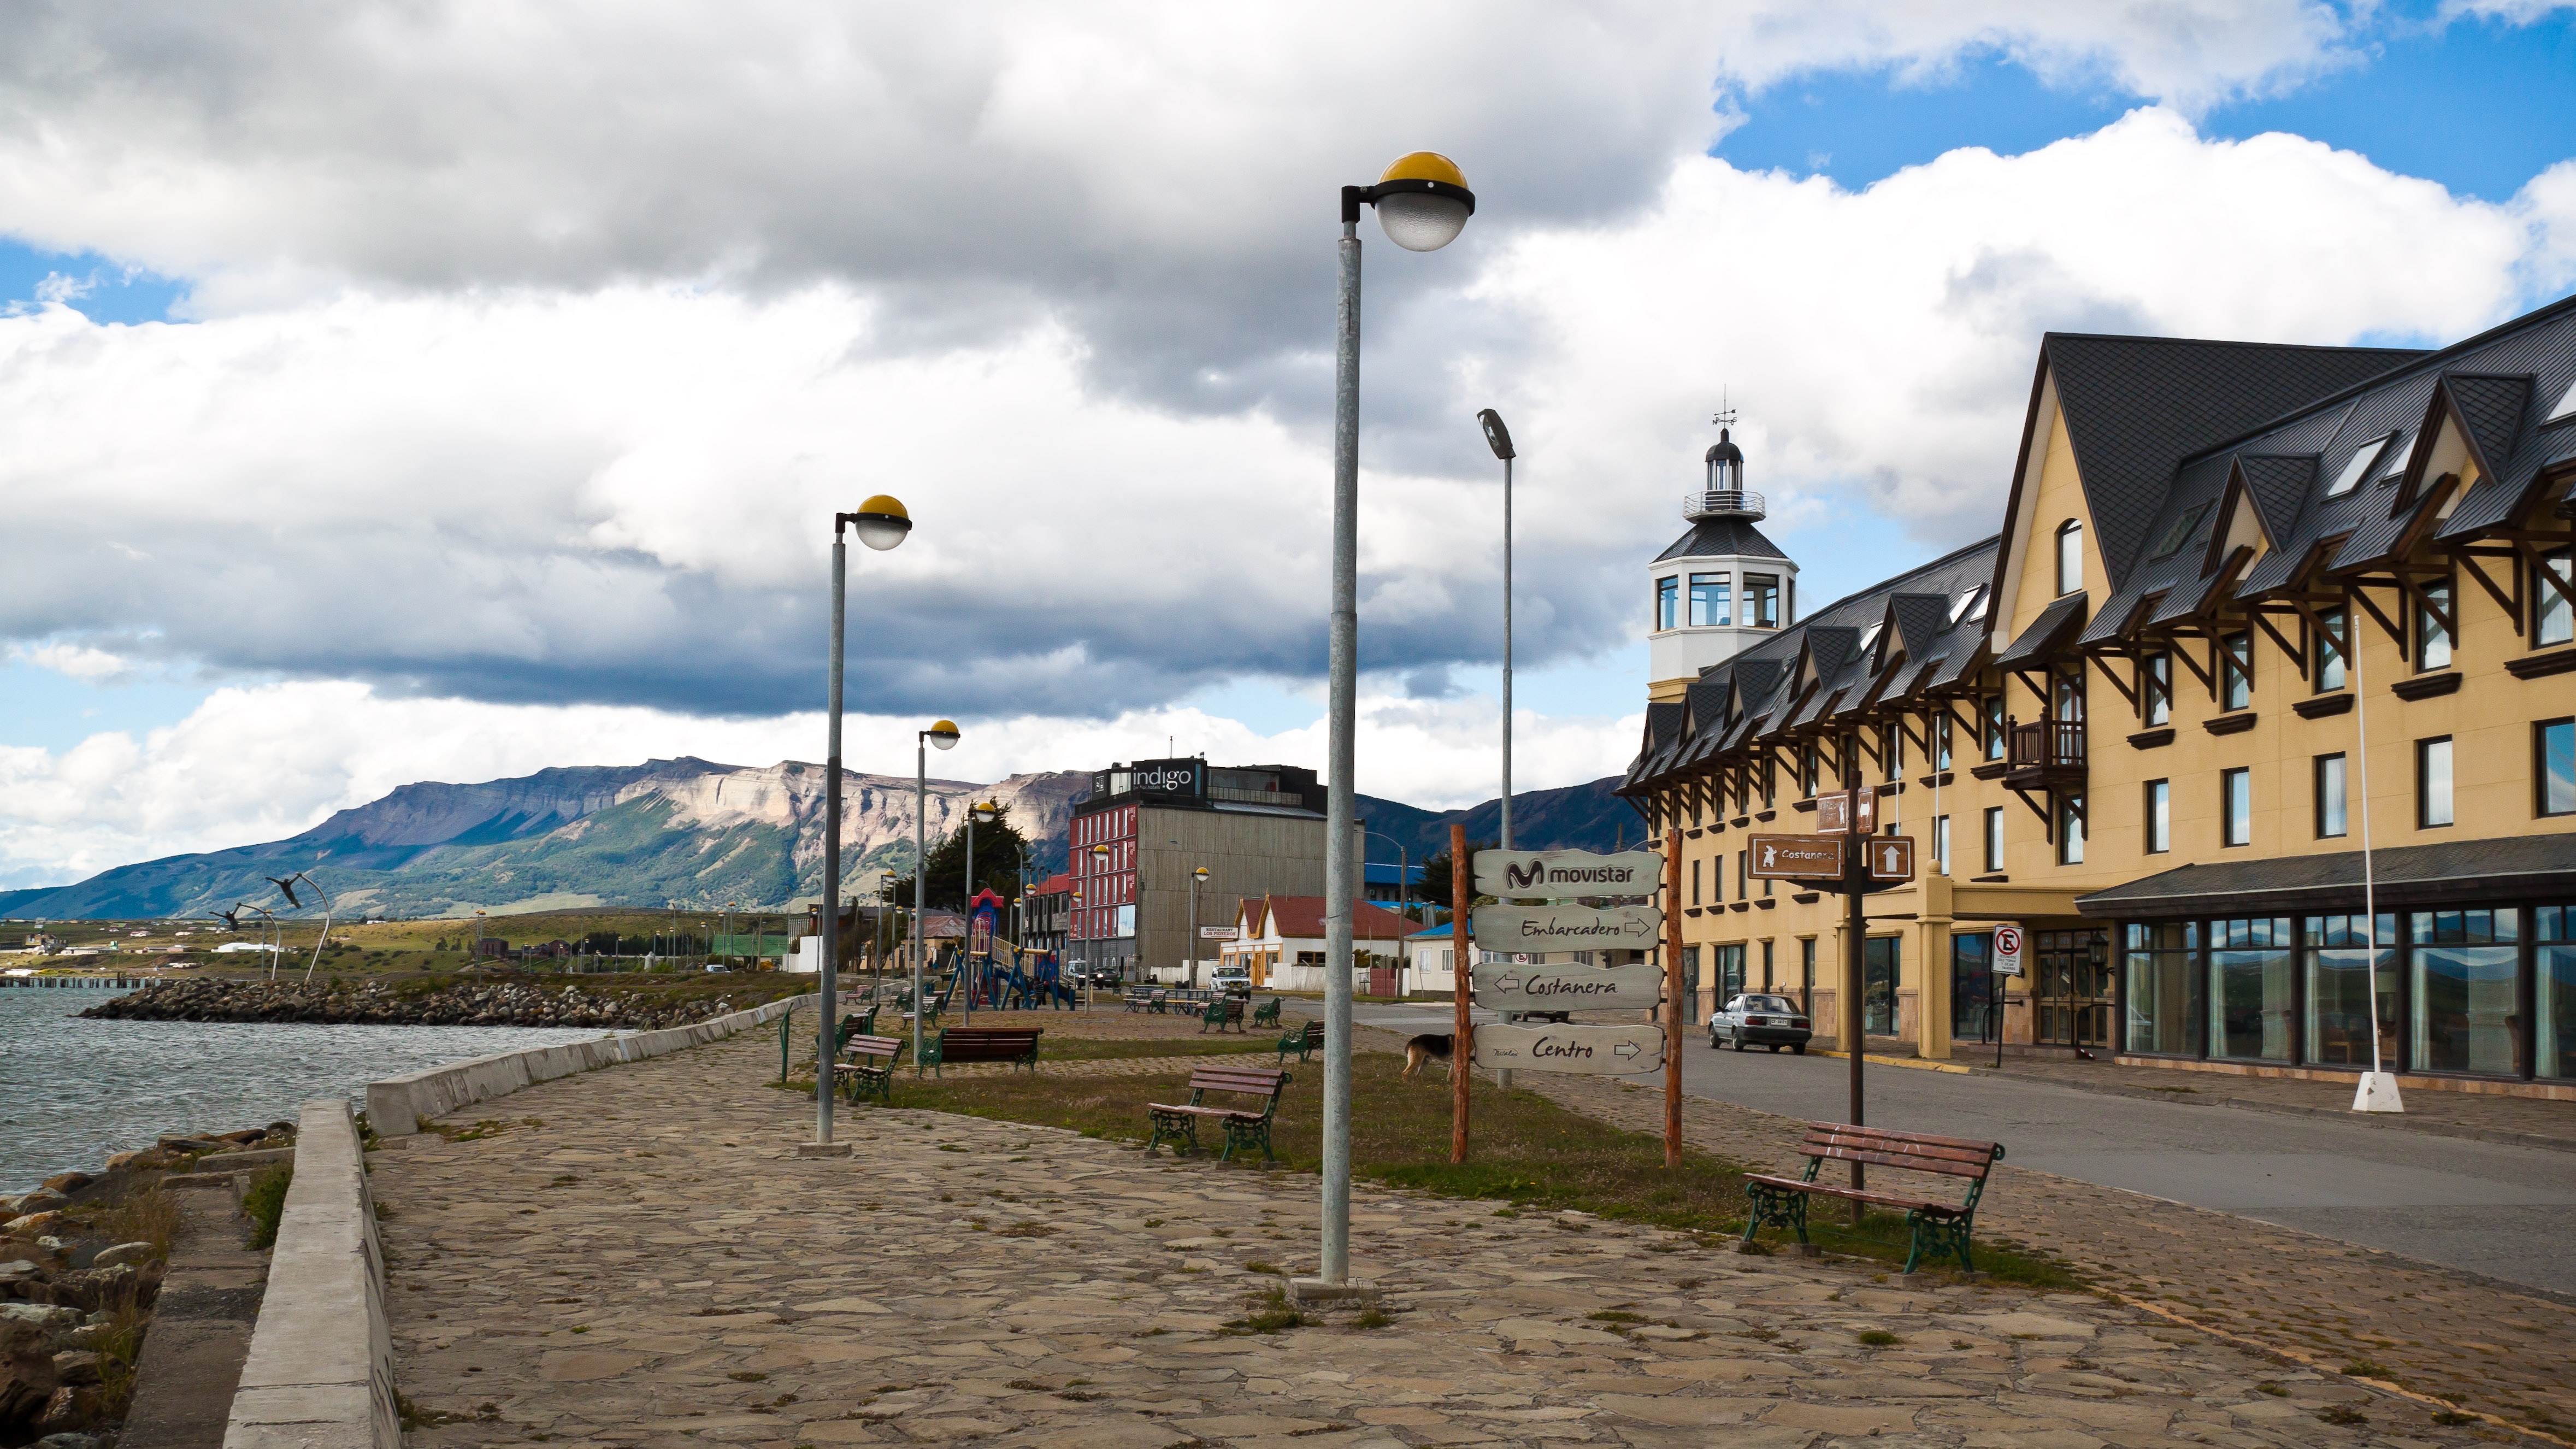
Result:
x=321 y=1369
x=373 y=1003
x=396 y=1107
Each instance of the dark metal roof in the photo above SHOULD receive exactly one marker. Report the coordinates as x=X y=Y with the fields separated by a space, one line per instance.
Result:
x=1723 y=538
x=2055 y=625
x=2519 y=867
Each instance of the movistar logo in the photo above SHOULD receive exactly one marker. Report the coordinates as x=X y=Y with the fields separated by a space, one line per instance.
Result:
x=1518 y=876
x=1538 y=872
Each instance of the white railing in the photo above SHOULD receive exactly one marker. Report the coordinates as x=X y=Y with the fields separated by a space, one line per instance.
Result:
x=1722 y=503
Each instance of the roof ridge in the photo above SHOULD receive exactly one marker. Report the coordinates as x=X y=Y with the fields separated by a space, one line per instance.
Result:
x=2237 y=342
x=1922 y=568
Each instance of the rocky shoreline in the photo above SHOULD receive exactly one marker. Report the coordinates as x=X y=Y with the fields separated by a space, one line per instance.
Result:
x=81 y=1263
x=370 y=1003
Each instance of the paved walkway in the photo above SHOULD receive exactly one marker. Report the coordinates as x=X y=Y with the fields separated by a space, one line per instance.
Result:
x=640 y=1259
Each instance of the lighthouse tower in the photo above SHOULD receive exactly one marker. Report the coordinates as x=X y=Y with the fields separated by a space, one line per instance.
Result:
x=1722 y=587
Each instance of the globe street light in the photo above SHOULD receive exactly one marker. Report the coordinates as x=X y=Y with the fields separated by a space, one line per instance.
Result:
x=882 y=523
x=1198 y=877
x=1422 y=203
x=943 y=735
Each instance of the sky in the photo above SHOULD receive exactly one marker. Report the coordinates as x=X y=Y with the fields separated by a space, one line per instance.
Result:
x=446 y=391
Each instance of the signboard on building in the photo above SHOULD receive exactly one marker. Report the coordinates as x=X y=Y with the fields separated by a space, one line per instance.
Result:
x=1504 y=986
x=1562 y=874
x=1847 y=812
x=1794 y=857
x=1219 y=933
x=1175 y=779
x=1601 y=1051
x=2008 y=947
x=1889 y=857
x=1567 y=928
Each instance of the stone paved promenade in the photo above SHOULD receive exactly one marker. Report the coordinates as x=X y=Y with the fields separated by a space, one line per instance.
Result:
x=638 y=1258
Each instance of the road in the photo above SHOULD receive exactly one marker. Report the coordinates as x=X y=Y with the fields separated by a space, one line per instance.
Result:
x=2506 y=1212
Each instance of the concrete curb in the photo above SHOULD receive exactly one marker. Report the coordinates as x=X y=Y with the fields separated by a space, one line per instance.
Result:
x=320 y=1374
x=397 y=1106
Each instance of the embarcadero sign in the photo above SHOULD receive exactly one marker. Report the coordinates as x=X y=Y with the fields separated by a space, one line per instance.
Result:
x=1515 y=929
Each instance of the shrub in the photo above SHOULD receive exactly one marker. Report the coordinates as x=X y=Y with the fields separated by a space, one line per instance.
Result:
x=265 y=1202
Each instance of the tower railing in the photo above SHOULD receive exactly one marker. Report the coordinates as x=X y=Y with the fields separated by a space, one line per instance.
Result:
x=1702 y=503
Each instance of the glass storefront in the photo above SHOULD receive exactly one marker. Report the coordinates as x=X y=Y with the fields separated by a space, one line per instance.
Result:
x=2554 y=990
x=2072 y=987
x=2161 y=964
x=2344 y=971
x=1972 y=1014
x=1878 y=964
x=2249 y=988
x=2463 y=967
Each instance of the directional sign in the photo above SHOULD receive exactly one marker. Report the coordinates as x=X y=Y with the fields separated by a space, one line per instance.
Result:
x=2008 y=943
x=1847 y=812
x=1890 y=857
x=1795 y=857
x=1501 y=986
x=1601 y=1051
x=1561 y=874
x=1567 y=928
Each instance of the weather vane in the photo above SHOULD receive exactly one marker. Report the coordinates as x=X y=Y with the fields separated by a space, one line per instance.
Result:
x=1725 y=414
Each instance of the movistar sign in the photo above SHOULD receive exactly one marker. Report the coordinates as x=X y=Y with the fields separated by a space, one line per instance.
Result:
x=1560 y=874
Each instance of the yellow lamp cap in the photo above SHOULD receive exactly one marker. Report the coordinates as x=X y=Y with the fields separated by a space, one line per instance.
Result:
x=1426 y=166
x=944 y=727
x=887 y=504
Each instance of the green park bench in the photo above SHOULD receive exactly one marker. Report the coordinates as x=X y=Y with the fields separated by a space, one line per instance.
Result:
x=1938 y=1226
x=1243 y=1126
x=959 y=1045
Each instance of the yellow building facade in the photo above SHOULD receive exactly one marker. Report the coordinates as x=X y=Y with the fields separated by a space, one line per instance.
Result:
x=2247 y=605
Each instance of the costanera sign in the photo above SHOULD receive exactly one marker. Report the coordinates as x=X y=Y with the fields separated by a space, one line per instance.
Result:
x=1560 y=874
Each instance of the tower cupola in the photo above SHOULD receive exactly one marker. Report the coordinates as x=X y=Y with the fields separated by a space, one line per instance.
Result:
x=1722 y=587
x=1723 y=495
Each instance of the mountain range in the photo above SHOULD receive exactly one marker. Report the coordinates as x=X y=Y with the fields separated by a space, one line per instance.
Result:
x=684 y=830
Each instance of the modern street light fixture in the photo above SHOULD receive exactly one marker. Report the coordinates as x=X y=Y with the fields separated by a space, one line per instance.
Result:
x=1198 y=878
x=1403 y=892
x=1499 y=438
x=882 y=523
x=1422 y=203
x=976 y=813
x=943 y=735
x=329 y=908
x=1100 y=867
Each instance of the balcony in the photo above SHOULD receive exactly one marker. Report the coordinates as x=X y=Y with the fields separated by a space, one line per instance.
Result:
x=2045 y=753
x=1722 y=503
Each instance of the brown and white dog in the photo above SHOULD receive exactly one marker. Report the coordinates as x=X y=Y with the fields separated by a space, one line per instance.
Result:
x=1429 y=1047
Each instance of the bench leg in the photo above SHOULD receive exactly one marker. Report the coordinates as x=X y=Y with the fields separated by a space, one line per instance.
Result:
x=1247 y=1134
x=1181 y=1128
x=1775 y=1205
x=1944 y=1235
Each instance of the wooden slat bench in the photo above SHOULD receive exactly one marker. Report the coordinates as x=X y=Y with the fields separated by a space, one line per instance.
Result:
x=1267 y=1013
x=1305 y=1041
x=1153 y=1001
x=962 y=1044
x=1221 y=1014
x=867 y=1077
x=1938 y=1226
x=1243 y=1126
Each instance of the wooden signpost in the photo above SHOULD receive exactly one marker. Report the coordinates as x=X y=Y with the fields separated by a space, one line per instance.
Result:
x=1609 y=1051
x=1565 y=874
x=1569 y=986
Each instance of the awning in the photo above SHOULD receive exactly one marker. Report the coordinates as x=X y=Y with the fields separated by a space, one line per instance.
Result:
x=2055 y=625
x=2463 y=872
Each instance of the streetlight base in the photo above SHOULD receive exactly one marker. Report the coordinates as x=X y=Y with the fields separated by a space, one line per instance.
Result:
x=1316 y=1290
x=2377 y=1092
x=822 y=1149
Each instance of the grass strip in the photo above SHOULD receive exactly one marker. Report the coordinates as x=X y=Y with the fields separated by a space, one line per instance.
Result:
x=1526 y=1150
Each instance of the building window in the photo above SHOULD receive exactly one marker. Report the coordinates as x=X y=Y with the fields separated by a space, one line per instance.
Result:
x=1766 y=964
x=2432 y=636
x=1992 y=713
x=1740 y=875
x=1880 y=978
x=2249 y=988
x=2331 y=634
x=2070 y=556
x=1972 y=981
x=1695 y=882
x=1940 y=845
x=1941 y=740
x=2159 y=816
x=2331 y=820
x=2155 y=700
x=1994 y=838
x=1807 y=770
x=1668 y=602
x=2554 y=993
x=2553 y=766
x=2553 y=618
x=1891 y=750
x=2236 y=807
x=2464 y=969
x=2432 y=782
x=1709 y=601
x=2236 y=671
x=1807 y=975
x=2070 y=829
x=2161 y=964
x=2344 y=969
x=1762 y=601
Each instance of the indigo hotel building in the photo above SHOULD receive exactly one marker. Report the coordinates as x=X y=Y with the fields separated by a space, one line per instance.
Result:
x=2249 y=607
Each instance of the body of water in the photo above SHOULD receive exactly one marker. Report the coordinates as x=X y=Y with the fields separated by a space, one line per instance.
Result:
x=73 y=1091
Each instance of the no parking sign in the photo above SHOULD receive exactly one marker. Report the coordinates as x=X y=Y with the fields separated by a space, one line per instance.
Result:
x=2008 y=943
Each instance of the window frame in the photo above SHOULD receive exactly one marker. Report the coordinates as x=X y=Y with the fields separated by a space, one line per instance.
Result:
x=2335 y=642
x=2070 y=557
x=2424 y=749
x=2070 y=814
x=2157 y=816
x=2236 y=829
x=2540 y=767
x=1722 y=582
x=2426 y=625
x=1667 y=607
x=1990 y=719
x=1766 y=589
x=2235 y=670
x=2341 y=762
x=2155 y=689
x=1994 y=838
x=2542 y=596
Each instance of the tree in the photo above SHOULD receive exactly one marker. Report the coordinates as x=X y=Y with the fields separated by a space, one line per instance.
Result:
x=997 y=865
x=1437 y=873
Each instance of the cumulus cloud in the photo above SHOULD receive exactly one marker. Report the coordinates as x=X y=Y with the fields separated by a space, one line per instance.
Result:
x=260 y=763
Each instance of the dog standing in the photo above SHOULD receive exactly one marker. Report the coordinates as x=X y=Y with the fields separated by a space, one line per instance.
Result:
x=1430 y=1047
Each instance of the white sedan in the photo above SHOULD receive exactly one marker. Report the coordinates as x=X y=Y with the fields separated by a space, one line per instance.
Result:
x=1770 y=1021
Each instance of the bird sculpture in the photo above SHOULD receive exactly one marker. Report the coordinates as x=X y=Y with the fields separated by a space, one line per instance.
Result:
x=287 y=885
x=231 y=918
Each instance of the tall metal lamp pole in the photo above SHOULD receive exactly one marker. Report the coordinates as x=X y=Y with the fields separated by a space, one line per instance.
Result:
x=944 y=735
x=1499 y=438
x=1422 y=204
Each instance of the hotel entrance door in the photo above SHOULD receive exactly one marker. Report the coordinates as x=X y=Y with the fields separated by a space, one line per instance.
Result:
x=2072 y=987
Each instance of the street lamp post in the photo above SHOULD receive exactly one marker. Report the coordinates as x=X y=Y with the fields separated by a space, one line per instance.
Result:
x=944 y=735
x=1198 y=878
x=1100 y=867
x=980 y=812
x=1403 y=889
x=1422 y=203
x=882 y=523
x=1499 y=438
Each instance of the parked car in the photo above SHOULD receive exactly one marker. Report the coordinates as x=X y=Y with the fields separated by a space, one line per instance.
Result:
x=1768 y=1021
x=1232 y=980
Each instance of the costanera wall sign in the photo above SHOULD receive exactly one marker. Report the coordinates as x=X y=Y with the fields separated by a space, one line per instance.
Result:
x=1562 y=874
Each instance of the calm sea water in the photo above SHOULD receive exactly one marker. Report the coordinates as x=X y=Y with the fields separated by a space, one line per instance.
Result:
x=73 y=1091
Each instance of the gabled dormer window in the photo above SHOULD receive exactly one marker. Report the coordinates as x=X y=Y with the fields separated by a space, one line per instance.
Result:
x=1869 y=636
x=2070 y=557
x=2359 y=467
x=1960 y=606
x=2181 y=532
x=2566 y=408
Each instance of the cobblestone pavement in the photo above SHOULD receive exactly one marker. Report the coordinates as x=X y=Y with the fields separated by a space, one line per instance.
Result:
x=2491 y=1348
x=640 y=1259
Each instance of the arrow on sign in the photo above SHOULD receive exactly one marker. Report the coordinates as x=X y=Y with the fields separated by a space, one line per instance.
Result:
x=1508 y=983
x=1624 y=1049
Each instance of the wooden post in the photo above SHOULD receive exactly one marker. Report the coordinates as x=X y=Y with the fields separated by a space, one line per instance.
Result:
x=1856 y=937
x=1462 y=881
x=1673 y=1006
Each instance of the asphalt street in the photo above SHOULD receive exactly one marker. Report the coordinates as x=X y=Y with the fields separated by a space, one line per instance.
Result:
x=2506 y=1212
